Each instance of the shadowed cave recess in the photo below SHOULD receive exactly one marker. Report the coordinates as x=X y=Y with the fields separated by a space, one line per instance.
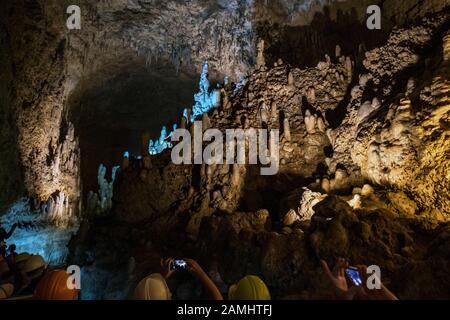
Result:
x=364 y=155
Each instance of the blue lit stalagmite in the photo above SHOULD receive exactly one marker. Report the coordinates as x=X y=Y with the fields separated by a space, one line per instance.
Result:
x=204 y=102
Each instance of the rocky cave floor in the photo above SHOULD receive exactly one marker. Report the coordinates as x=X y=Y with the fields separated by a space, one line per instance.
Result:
x=369 y=141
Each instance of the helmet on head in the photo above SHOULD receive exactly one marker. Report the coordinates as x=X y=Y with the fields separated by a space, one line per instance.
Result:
x=53 y=286
x=153 y=287
x=34 y=266
x=22 y=257
x=249 y=288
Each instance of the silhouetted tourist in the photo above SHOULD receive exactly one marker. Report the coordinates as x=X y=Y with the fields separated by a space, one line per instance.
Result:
x=4 y=236
x=21 y=280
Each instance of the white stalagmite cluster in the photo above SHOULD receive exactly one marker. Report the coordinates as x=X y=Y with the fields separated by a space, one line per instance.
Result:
x=304 y=211
x=101 y=202
x=58 y=211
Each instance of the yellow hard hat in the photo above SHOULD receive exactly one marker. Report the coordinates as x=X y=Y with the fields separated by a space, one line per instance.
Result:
x=22 y=257
x=249 y=288
x=153 y=287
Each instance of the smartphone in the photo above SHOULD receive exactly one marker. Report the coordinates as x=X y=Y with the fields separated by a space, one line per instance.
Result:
x=178 y=264
x=354 y=276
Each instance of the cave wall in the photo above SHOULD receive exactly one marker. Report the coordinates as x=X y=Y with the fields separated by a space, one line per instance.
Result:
x=11 y=182
x=46 y=142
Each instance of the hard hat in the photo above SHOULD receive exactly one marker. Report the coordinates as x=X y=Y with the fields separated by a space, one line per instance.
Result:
x=153 y=287
x=35 y=262
x=22 y=257
x=249 y=288
x=53 y=286
x=6 y=290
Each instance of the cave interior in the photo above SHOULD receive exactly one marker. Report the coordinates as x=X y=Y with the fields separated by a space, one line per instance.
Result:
x=88 y=115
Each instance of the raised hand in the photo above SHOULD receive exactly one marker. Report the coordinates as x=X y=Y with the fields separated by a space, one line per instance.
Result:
x=338 y=279
x=166 y=271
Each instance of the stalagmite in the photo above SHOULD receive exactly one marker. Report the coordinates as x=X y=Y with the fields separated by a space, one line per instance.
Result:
x=321 y=125
x=208 y=172
x=340 y=175
x=190 y=193
x=274 y=111
x=290 y=218
x=260 y=60
x=189 y=115
x=355 y=203
x=226 y=103
x=215 y=195
x=328 y=162
x=286 y=130
x=183 y=122
x=325 y=185
x=206 y=123
x=355 y=92
x=145 y=140
x=349 y=66
x=291 y=81
x=310 y=122
x=192 y=131
x=376 y=103
x=246 y=123
x=337 y=75
x=203 y=171
x=367 y=190
x=263 y=113
x=147 y=161
x=367 y=107
x=57 y=209
x=311 y=95
x=446 y=47
x=410 y=86
x=338 y=51
x=125 y=160
x=235 y=175
x=331 y=137
x=364 y=79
